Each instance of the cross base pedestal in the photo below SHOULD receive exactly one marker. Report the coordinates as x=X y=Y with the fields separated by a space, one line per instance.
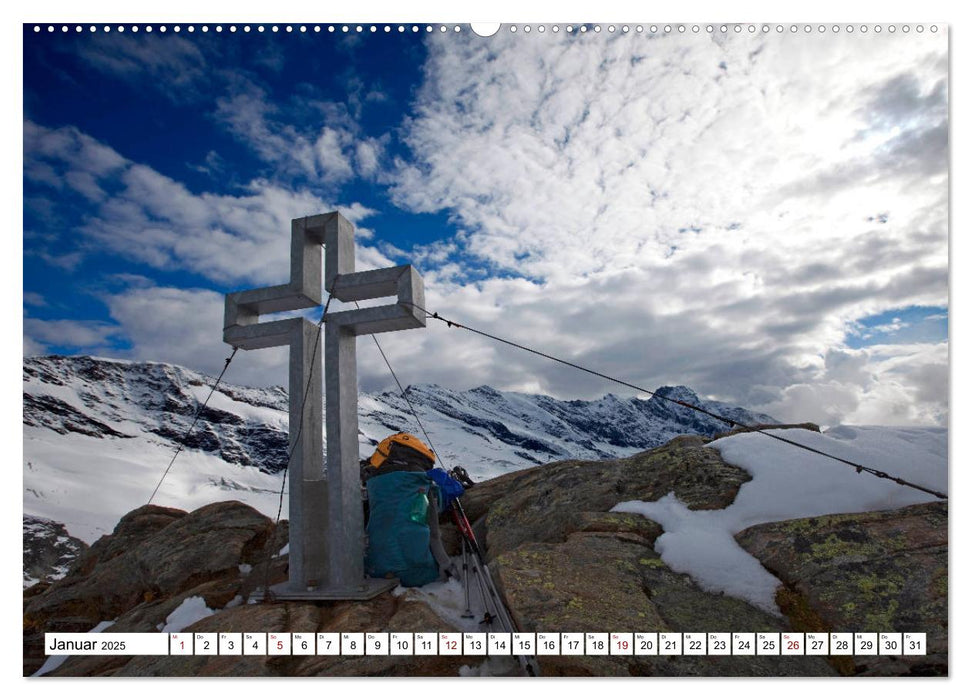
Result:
x=368 y=589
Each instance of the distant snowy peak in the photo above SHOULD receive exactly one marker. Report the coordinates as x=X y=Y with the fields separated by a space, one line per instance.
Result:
x=540 y=428
x=663 y=404
x=488 y=430
x=100 y=433
x=118 y=399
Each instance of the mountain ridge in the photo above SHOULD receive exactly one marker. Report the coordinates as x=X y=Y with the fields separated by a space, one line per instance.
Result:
x=99 y=433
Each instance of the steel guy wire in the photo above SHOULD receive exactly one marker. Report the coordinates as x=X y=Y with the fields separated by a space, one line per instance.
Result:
x=859 y=467
x=193 y=425
x=404 y=395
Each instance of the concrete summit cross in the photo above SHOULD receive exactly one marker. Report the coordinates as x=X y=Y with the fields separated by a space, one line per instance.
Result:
x=326 y=514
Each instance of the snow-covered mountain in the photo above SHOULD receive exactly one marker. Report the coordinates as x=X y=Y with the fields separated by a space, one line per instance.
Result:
x=48 y=550
x=99 y=434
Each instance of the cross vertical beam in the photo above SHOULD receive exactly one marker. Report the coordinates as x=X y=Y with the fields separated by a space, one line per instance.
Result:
x=326 y=516
x=342 y=448
x=308 y=488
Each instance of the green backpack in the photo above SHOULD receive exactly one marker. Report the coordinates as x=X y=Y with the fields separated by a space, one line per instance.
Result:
x=397 y=528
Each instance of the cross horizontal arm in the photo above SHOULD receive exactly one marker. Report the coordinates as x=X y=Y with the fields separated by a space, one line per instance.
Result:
x=261 y=335
x=403 y=281
x=375 y=319
x=370 y=284
x=249 y=305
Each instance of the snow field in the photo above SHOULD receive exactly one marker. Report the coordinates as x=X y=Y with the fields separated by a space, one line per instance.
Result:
x=791 y=483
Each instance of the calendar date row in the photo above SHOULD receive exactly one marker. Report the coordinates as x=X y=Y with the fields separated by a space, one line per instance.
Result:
x=491 y=644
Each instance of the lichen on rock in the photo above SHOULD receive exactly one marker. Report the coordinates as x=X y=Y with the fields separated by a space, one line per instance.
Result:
x=882 y=571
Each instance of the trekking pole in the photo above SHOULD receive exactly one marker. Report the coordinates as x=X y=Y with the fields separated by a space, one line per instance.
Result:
x=462 y=521
x=486 y=583
x=465 y=580
x=487 y=586
x=488 y=618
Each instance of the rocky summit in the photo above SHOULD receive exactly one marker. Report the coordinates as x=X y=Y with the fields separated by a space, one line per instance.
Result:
x=562 y=561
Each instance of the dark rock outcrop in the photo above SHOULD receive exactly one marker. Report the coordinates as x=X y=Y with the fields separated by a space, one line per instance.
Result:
x=154 y=554
x=51 y=412
x=387 y=612
x=158 y=557
x=566 y=564
x=615 y=582
x=49 y=550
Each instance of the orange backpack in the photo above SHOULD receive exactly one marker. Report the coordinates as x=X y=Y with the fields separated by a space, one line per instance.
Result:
x=383 y=450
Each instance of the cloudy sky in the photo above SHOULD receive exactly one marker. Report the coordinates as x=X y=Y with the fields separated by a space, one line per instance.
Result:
x=760 y=216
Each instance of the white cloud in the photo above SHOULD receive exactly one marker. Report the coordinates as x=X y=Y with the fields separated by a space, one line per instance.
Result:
x=90 y=336
x=681 y=222
x=31 y=348
x=150 y=218
x=157 y=323
x=565 y=155
x=888 y=384
x=368 y=155
x=170 y=64
x=48 y=152
x=895 y=325
x=710 y=211
x=184 y=326
x=329 y=148
x=247 y=114
x=323 y=155
x=153 y=219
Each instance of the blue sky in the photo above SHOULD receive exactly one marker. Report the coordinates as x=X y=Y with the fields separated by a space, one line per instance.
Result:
x=761 y=216
x=914 y=324
x=101 y=87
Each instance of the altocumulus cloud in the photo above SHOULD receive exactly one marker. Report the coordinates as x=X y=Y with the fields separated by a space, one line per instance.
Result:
x=715 y=211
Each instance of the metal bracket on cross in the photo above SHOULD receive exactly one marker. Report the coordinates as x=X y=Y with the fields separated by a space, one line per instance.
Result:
x=326 y=516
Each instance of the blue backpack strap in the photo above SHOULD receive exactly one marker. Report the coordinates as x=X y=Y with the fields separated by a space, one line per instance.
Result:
x=449 y=488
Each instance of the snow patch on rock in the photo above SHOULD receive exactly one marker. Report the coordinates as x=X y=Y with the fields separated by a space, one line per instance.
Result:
x=791 y=483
